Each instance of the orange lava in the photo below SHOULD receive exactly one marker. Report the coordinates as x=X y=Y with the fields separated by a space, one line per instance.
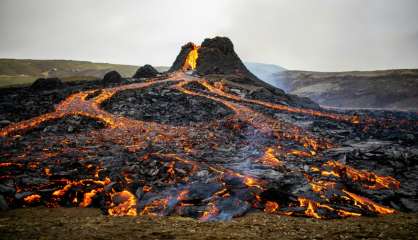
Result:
x=365 y=202
x=271 y=207
x=370 y=180
x=134 y=134
x=32 y=198
x=124 y=204
x=191 y=60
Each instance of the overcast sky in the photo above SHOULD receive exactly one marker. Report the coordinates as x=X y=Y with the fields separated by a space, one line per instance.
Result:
x=322 y=35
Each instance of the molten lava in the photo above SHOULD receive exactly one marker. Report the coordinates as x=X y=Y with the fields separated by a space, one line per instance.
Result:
x=124 y=204
x=186 y=181
x=191 y=60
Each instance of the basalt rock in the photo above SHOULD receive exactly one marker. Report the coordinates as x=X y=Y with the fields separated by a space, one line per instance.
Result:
x=217 y=56
x=112 y=77
x=146 y=71
x=211 y=148
x=47 y=84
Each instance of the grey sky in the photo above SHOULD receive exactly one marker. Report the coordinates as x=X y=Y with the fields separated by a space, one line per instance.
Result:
x=323 y=35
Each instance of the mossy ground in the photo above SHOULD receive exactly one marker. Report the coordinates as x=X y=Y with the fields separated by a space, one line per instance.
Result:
x=73 y=223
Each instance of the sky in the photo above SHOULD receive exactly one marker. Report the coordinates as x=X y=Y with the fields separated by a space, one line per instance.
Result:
x=317 y=35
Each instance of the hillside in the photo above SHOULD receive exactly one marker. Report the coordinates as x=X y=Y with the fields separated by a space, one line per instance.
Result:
x=24 y=71
x=265 y=72
x=388 y=89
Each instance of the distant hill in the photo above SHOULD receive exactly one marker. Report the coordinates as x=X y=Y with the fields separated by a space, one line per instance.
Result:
x=265 y=72
x=387 y=89
x=25 y=71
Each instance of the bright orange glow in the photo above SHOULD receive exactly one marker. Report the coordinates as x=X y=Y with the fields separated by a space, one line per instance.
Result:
x=320 y=186
x=370 y=180
x=310 y=207
x=88 y=197
x=269 y=158
x=300 y=153
x=47 y=171
x=32 y=198
x=252 y=182
x=365 y=202
x=136 y=135
x=182 y=195
x=271 y=207
x=155 y=207
x=126 y=206
x=211 y=211
x=191 y=60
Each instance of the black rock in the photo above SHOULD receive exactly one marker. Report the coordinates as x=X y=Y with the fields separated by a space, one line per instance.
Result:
x=5 y=189
x=3 y=204
x=22 y=195
x=47 y=84
x=112 y=77
x=146 y=71
x=409 y=204
x=217 y=56
x=4 y=122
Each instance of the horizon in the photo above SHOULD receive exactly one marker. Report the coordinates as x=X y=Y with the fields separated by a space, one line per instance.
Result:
x=352 y=35
x=245 y=62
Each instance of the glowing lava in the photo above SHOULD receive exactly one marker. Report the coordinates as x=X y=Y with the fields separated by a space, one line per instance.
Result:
x=191 y=60
x=180 y=166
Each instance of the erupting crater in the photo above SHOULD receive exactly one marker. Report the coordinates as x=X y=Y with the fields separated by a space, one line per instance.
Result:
x=191 y=60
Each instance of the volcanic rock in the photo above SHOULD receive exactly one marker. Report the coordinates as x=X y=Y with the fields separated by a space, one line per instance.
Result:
x=4 y=122
x=217 y=56
x=165 y=105
x=211 y=148
x=146 y=71
x=47 y=84
x=112 y=77
x=3 y=204
x=70 y=124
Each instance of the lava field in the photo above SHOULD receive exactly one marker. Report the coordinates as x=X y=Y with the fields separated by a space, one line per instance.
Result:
x=197 y=147
x=212 y=147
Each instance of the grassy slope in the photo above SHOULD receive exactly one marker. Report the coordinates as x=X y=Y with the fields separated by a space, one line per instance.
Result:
x=25 y=71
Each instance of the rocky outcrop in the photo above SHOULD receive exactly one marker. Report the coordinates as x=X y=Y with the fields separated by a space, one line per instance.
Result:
x=146 y=71
x=112 y=77
x=47 y=84
x=217 y=56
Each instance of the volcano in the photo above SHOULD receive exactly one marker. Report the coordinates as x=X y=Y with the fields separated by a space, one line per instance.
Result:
x=213 y=56
x=206 y=140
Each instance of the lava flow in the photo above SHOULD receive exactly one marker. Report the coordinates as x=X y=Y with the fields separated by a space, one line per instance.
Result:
x=211 y=170
x=191 y=60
